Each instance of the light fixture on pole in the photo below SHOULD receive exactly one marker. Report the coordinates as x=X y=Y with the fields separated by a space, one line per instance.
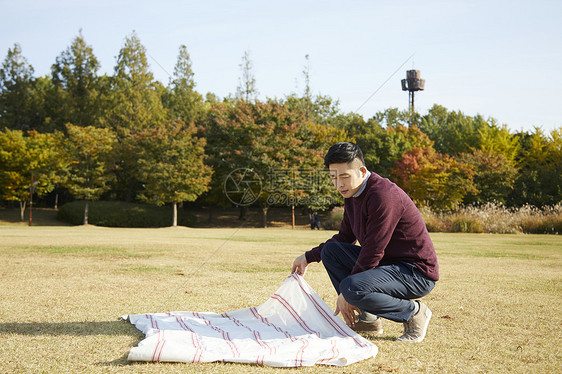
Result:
x=412 y=83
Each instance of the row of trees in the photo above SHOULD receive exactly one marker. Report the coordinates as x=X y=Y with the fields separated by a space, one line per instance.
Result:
x=128 y=137
x=450 y=158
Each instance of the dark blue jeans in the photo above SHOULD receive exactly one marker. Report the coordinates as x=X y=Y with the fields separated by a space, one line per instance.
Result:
x=385 y=291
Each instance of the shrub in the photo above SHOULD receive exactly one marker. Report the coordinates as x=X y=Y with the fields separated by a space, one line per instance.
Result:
x=466 y=223
x=434 y=221
x=333 y=219
x=497 y=219
x=122 y=214
x=546 y=221
x=493 y=217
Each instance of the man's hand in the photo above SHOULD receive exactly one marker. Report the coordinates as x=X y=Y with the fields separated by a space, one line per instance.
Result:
x=299 y=265
x=347 y=311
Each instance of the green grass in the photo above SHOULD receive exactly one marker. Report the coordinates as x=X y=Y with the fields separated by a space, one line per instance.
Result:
x=495 y=309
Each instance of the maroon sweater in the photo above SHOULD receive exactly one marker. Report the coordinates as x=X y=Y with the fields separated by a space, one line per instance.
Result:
x=389 y=228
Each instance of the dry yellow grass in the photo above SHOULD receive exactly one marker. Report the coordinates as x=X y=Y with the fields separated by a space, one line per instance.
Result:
x=496 y=308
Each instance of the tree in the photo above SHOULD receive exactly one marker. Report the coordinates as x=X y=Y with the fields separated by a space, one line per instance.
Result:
x=494 y=176
x=45 y=104
x=16 y=92
x=170 y=164
x=77 y=86
x=136 y=107
x=307 y=97
x=320 y=194
x=246 y=89
x=267 y=139
x=539 y=181
x=137 y=103
x=89 y=151
x=382 y=147
x=29 y=164
x=182 y=100
x=452 y=132
x=498 y=140
x=434 y=179
x=393 y=117
x=320 y=109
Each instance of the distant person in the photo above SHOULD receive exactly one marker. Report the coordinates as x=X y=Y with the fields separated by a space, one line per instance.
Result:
x=396 y=262
x=315 y=221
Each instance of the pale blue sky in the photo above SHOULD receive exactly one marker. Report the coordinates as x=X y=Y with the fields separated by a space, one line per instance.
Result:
x=498 y=58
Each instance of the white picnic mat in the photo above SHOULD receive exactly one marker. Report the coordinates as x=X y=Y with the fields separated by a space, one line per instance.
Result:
x=294 y=327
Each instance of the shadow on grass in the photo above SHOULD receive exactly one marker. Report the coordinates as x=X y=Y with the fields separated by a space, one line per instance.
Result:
x=85 y=328
x=374 y=338
x=80 y=329
x=121 y=361
x=41 y=217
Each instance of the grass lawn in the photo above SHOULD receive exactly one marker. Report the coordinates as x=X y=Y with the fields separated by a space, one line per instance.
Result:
x=496 y=308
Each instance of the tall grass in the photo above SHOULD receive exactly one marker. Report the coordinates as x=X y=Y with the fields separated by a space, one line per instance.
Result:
x=496 y=218
x=490 y=218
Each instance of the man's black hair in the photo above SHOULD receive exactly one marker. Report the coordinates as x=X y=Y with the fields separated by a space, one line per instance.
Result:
x=344 y=152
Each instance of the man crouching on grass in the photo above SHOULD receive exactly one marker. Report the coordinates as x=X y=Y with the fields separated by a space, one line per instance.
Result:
x=396 y=261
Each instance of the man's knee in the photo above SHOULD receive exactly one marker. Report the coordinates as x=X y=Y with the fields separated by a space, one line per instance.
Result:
x=329 y=251
x=350 y=291
x=354 y=292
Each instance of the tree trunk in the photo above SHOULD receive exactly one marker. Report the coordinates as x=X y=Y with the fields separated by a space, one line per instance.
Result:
x=129 y=195
x=175 y=220
x=293 y=215
x=211 y=215
x=86 y=210
x=22 y=210
x=242 y=215
x=265 y=208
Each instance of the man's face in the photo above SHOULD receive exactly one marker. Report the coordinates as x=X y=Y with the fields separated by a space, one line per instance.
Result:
x=348 y=177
